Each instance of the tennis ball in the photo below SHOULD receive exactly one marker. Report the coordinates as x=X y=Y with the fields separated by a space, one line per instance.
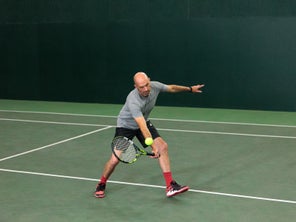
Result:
x=148 y=141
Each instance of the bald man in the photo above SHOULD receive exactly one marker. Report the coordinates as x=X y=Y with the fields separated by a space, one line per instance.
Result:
x=133 y=122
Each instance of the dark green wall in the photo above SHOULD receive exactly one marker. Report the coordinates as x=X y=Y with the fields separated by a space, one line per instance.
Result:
x=87 y=51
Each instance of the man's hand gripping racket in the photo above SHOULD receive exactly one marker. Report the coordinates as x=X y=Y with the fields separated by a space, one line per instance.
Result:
x=126 y=151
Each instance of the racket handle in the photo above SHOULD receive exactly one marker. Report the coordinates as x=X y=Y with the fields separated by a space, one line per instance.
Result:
x=151 y=154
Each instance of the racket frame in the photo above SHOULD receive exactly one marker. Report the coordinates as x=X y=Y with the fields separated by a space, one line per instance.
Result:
x=139 y=151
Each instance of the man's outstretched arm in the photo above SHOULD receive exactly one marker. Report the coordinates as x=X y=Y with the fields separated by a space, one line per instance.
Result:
x=178 y=88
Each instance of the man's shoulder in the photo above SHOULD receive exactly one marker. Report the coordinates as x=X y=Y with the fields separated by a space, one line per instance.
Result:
x=133 y=95
x=158 y=85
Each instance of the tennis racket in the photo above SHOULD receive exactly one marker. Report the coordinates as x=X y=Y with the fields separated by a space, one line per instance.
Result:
x=126 y=151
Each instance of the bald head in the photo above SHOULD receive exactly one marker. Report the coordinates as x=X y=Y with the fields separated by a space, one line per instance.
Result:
x=140 y=77
x=142 y=83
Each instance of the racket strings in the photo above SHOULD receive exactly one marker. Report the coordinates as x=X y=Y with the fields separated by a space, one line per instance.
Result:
x=124 y=149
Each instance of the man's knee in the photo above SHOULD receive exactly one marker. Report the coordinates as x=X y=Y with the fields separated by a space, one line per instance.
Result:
x=161 y=144
x=113 y=160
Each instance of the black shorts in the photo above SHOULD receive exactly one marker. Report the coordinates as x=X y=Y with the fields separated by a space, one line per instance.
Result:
x=130 y=133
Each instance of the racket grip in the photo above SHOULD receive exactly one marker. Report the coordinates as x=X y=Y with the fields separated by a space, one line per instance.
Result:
x=153 y=155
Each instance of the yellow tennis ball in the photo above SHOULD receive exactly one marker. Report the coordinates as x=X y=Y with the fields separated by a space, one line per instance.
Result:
x=148 y=141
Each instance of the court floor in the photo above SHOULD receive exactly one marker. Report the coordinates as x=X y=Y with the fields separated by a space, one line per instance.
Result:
x=240 y=165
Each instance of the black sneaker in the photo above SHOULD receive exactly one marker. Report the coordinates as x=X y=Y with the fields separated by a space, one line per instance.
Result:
x=175 y=189
x=100 y=190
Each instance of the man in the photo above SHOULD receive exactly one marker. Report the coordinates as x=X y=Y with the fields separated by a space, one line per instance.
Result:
x=133 y=121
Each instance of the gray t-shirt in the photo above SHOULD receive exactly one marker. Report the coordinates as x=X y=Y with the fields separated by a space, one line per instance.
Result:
x=137 y=105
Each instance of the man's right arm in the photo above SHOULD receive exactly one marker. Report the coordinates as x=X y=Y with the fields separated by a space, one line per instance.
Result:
x=143 y=127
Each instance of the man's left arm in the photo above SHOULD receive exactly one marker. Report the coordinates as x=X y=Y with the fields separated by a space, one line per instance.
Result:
x=178 y=88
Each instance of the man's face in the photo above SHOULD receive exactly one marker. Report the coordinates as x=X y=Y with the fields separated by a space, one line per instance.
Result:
x=143 y=87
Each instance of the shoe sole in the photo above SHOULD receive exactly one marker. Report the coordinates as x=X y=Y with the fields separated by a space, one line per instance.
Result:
x=184 y=189
x=99 y=195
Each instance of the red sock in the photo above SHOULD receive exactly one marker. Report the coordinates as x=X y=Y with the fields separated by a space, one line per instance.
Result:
x=103 y=180
x=168 y=178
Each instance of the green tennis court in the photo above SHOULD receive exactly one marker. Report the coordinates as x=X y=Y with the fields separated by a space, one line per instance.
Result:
x=240 y=165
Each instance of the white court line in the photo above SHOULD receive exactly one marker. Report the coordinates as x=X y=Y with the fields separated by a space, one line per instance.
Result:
x=231 y=134
x=150 y=185
x=160 y=129
x=51 y=122
x=57 y=113
x=53 y=144
x=160 y=119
